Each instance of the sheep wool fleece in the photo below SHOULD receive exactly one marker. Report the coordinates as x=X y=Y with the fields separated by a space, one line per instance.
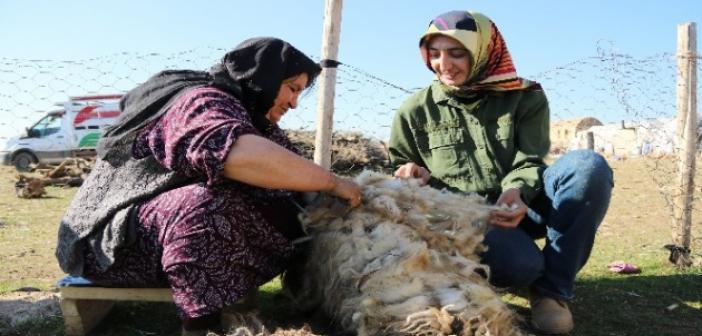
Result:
x=404 y=262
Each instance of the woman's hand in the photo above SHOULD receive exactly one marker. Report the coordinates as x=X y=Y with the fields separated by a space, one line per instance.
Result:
x=413 y=170
x=513 y=214
x=346 y=189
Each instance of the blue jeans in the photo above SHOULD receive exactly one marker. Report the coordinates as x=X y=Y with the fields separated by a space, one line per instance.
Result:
x=567 y=212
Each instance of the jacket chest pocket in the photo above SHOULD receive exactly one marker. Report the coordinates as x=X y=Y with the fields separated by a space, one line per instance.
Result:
x=448 y=148
x=505 y=129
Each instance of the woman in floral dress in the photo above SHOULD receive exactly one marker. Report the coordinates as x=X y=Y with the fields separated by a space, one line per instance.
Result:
x=193 y=187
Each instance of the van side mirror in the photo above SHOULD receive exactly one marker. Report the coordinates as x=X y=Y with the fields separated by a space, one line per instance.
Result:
x=29 y=133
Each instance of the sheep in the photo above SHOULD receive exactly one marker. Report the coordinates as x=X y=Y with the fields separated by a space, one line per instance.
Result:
x=405 y=262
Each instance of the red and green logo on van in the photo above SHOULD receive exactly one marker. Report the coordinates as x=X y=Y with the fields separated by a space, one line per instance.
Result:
x=89 y=140
x=89 y=112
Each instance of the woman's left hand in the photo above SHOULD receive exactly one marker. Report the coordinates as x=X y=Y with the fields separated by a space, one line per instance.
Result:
x=514 y=213
x=346 y=189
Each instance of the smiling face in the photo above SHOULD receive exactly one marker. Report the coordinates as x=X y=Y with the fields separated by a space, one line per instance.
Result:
x=287 y=97
x=449 y=59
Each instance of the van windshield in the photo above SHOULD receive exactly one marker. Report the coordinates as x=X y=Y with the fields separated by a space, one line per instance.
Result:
x=46 y=126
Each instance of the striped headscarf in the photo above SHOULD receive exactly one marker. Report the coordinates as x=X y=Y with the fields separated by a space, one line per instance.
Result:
x=491 y=65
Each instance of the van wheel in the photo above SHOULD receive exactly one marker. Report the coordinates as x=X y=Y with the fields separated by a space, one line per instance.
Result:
x=23 y=160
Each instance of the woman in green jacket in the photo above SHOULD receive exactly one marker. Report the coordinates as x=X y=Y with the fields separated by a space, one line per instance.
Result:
x=478 y=127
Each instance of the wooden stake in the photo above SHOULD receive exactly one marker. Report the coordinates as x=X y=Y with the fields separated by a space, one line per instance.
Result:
x=327 y=83
x=686 y=139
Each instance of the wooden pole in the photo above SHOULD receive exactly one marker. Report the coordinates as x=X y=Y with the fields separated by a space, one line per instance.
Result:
x=590 y=141
x=686 y=140
x=327 y=84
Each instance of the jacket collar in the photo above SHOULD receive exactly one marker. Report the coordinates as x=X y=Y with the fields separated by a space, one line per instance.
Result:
x=438 y=93
x=442 y=97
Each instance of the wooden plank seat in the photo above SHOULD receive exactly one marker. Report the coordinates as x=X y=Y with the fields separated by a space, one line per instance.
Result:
x=84 y=304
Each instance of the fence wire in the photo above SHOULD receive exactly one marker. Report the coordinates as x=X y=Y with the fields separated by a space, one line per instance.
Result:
x=612 y=87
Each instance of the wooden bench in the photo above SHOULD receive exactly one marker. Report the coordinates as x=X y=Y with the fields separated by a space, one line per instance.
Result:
x=84 y=304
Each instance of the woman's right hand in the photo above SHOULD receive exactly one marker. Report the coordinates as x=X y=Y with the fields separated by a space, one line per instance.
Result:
x=514 y=210
x=413 y=170
x=346 y=189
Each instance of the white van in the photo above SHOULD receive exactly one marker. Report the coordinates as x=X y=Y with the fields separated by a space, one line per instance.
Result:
x=68 y=132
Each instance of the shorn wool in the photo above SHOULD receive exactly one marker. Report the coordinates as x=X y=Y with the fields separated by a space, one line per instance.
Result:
x=405 y=262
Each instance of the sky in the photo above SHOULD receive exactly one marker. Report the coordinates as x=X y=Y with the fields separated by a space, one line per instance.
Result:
x=378 y=36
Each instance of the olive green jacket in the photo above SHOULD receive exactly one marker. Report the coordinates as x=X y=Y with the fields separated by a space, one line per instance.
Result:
x=486 y=143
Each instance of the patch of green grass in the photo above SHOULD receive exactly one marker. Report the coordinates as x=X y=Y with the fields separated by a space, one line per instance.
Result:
x=7 y=286
x=637 y=305
x=632 y=304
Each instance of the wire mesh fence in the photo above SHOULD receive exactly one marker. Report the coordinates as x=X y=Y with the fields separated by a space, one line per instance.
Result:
x=632 y=98
x=608 y=86
x=31 y=88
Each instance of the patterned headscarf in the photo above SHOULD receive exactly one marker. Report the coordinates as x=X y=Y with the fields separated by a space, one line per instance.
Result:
x=491 y=66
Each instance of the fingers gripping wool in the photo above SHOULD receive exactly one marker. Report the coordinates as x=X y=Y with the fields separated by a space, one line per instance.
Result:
x=405 y=262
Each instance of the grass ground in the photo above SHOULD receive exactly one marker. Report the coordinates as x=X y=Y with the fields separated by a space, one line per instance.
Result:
x=661 y=300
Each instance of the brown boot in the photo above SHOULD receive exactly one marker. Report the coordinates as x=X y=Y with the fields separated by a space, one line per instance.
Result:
x=549 y=315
